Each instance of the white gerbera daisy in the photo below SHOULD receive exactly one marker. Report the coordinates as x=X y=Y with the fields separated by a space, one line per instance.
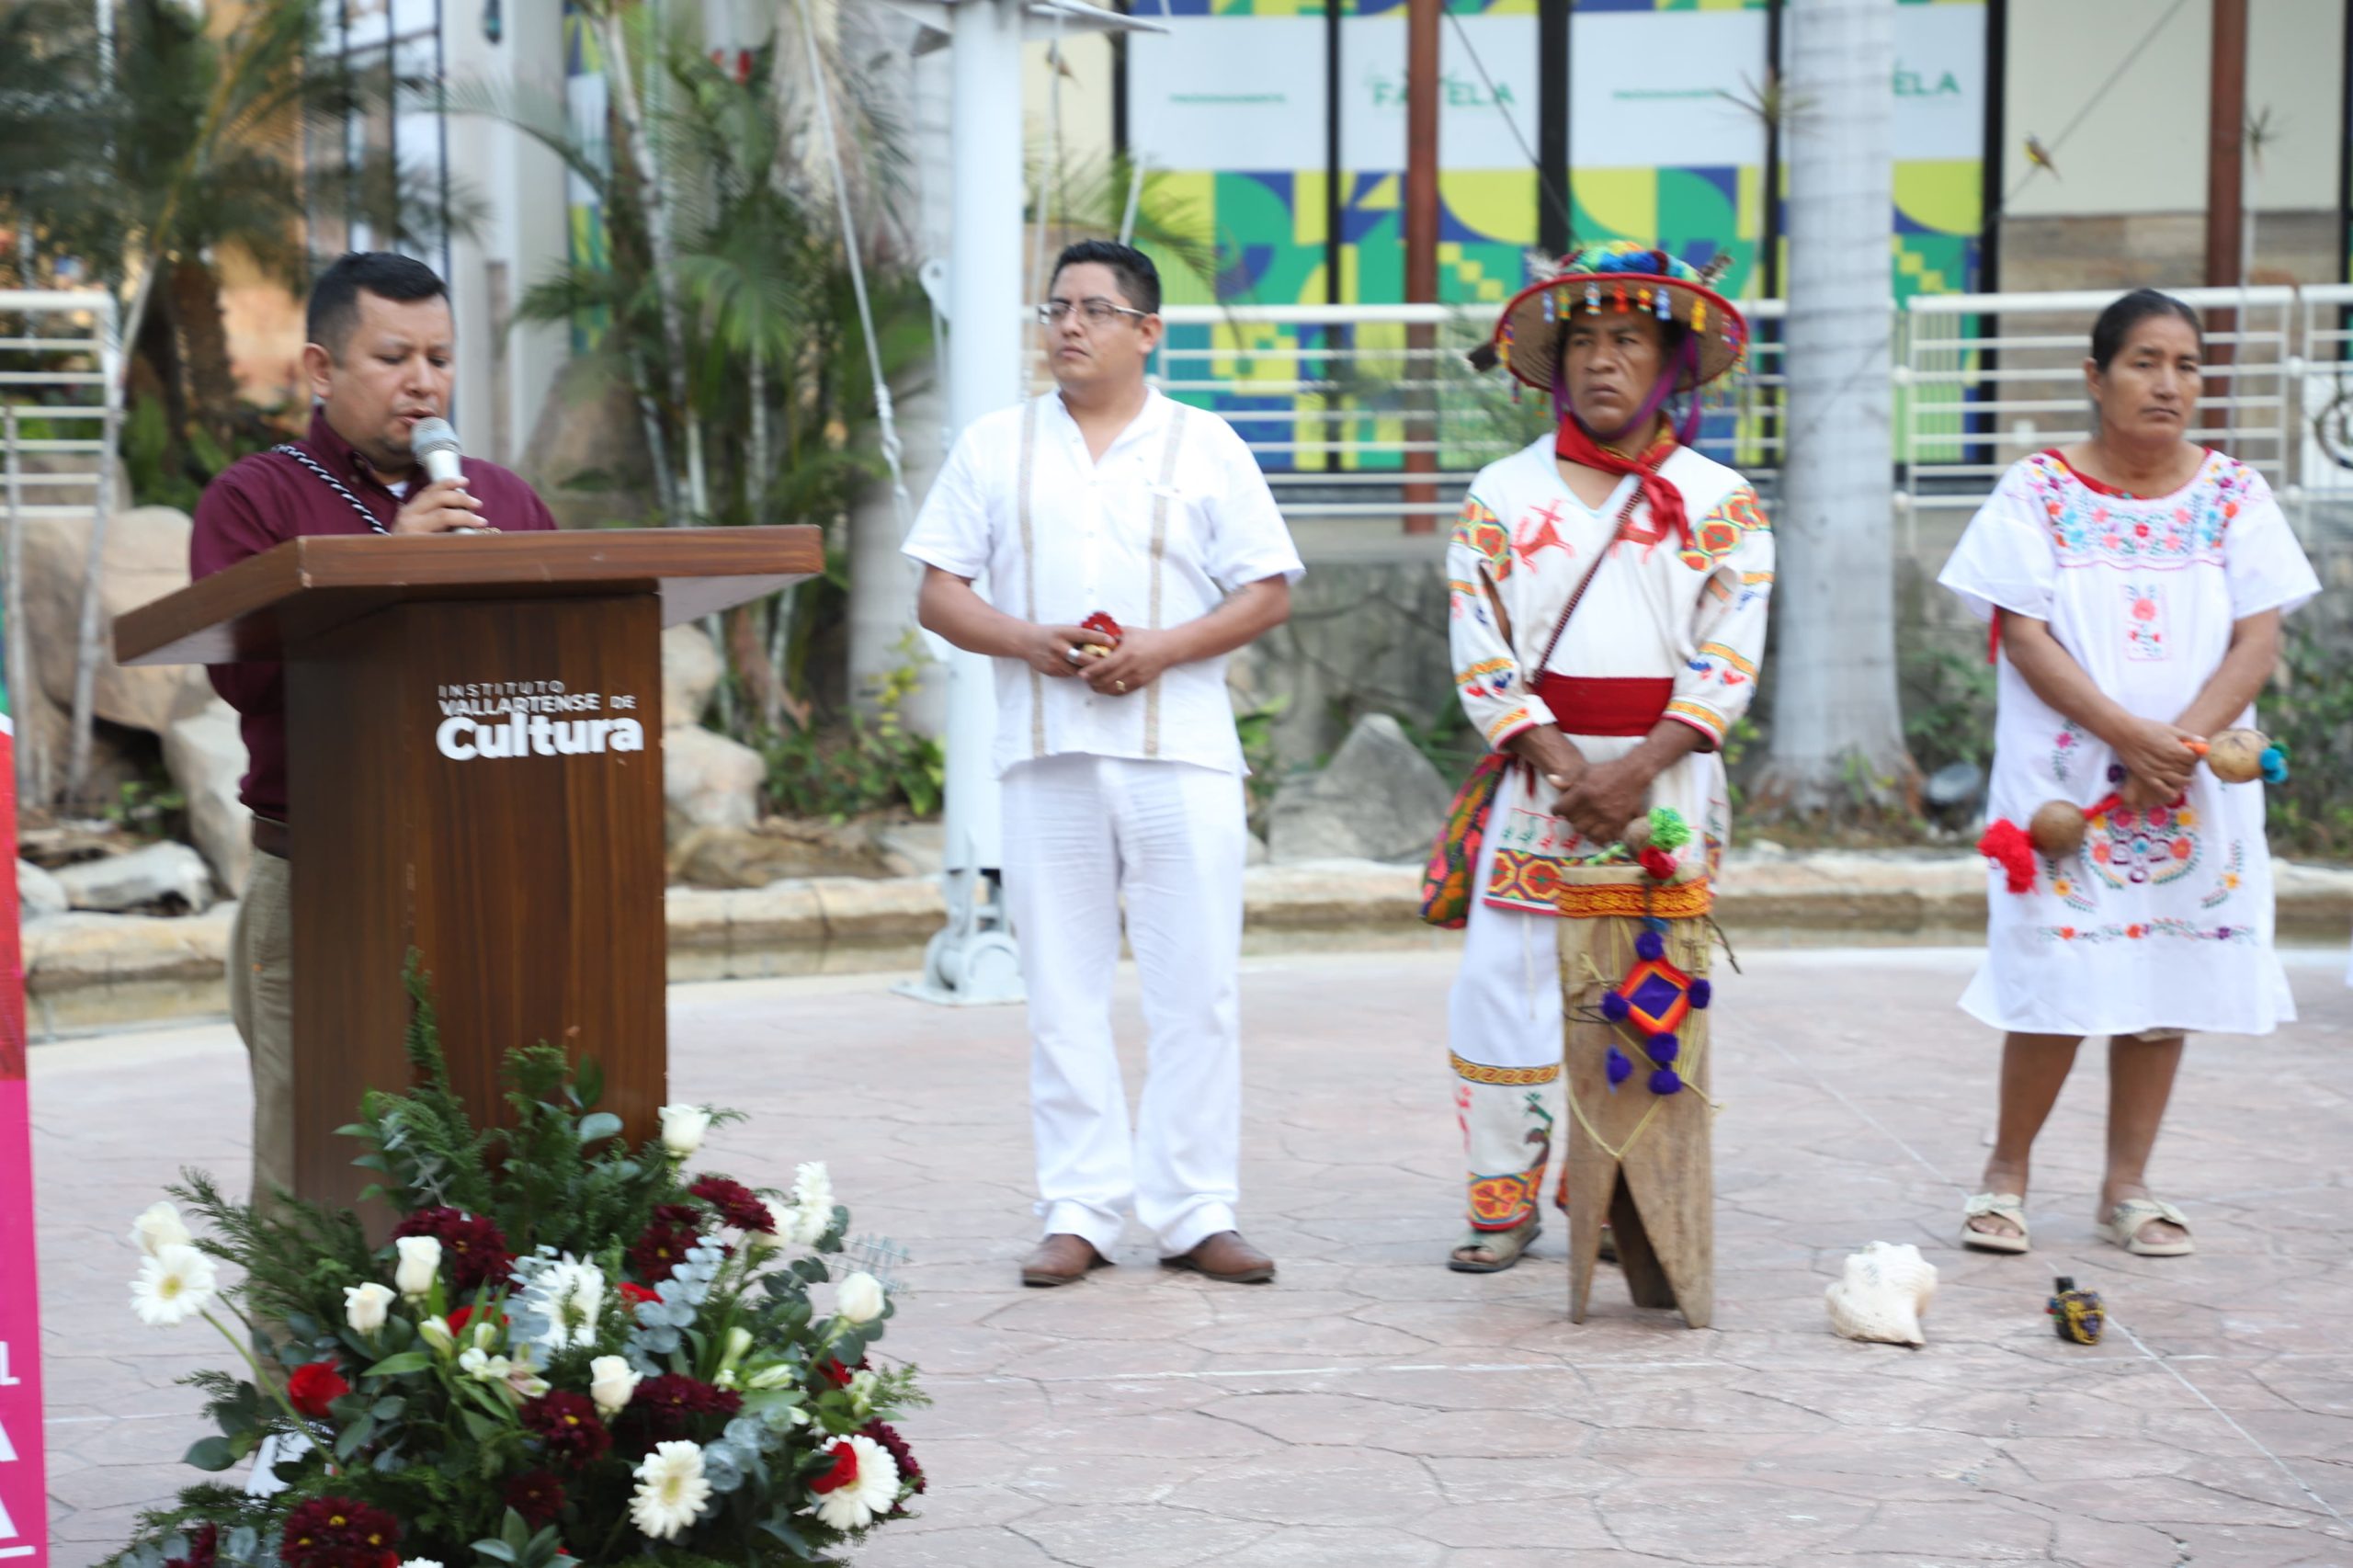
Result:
x=671 y=1491
x=172 y=1286
x=870 y=1490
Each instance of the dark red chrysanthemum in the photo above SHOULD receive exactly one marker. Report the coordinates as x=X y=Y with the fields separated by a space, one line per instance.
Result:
x=887 y=1436
x=840 y=1473
x=472 y=1248
x=736 y=1204
x=834 y=1372
x=674 y=1228
x=537 y=1496
x=666 y=1408
x=336 y=1532
x=311 y=1389
x=567 y=1423
x=204 y=1548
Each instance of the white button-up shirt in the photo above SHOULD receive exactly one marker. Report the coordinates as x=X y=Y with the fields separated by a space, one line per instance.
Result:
x=1090 y=546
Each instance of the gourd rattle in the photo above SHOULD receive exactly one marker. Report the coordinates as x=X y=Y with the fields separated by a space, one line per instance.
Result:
x=2057 y=828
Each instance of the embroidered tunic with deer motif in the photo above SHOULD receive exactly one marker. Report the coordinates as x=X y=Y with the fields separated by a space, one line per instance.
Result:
x=1690 y=618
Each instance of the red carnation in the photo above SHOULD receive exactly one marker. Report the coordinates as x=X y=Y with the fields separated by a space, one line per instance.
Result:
x=843 y=1470
x=567 y=1423
x=464 y=1315
x=312 y=1388
x=834 y=1372
x=886 y=1435
x=666 y=1408
x=674 y=1228
x=336 y=1532
x=472 y=1248
x=537 y=1496
x=737 y=1205
x=2006 y=844
x=204 y=1548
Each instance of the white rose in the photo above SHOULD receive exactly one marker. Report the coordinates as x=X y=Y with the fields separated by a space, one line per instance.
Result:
x=420 y=1563
x=364 y=1306
x=420 y=1265
x=860 y=1297
x=611 y=1382
x=159 y=1227
x=436 y=1333
x=682 y=1127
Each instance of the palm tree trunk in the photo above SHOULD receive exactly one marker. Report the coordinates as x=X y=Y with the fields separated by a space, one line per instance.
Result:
x=1838 y=731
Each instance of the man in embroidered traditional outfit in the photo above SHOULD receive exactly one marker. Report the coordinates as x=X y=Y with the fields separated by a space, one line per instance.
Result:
x=1132 y=544
x=1608 y=603
x=381 y=358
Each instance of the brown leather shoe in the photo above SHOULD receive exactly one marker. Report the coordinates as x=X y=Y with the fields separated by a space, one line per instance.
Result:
x=1062 y=1259
x=1226 y=1256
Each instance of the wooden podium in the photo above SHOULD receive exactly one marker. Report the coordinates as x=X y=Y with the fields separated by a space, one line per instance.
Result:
x=474 y=772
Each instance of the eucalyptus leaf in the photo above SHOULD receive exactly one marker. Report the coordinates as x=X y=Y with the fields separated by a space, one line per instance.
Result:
x=211 y=1454
x=600 y=1124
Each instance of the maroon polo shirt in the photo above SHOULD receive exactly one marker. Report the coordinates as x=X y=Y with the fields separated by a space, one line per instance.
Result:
x=268 y=498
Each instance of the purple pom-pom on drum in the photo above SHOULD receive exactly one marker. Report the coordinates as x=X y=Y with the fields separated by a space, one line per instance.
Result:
x=1650 y=945
x=1618 y=1067
x=1701 y=994
x=1664 y=1048
x=1665 y=1082
x=1613 y=1007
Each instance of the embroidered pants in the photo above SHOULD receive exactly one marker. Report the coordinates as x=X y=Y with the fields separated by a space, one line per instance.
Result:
x=1080 y=833
x=1504 y=1030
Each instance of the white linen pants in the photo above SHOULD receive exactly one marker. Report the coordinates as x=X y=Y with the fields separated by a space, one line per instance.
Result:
x=1504 y=1026
x=1080 y=831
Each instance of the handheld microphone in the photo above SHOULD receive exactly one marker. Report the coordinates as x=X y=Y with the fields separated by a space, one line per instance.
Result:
x=434 y=444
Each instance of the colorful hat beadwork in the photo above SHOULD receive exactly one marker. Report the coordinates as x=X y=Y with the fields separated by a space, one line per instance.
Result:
x=1638 y=276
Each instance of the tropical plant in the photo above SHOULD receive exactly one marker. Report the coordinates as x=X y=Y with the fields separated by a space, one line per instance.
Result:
x=722 y=298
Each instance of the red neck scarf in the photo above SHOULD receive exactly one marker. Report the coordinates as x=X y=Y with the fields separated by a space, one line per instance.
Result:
x=1573 y=445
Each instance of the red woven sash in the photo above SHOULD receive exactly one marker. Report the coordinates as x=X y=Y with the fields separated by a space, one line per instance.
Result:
x=1586 y=706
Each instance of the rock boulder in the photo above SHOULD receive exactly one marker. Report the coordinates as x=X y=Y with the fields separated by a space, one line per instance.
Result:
x=146 y=557
x=691 y=672
x=206 y=757
x=709 y=780
x=1380 y=799
x=165 y=878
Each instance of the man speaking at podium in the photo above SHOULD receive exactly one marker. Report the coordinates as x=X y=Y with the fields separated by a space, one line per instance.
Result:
x=380 y=357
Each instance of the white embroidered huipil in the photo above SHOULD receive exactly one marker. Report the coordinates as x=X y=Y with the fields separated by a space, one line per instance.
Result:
x=2163 y=919
x=1655 y=610
x=1111 y=797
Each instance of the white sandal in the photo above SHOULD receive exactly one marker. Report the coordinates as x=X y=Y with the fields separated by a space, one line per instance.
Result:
x=2125 y=1222
x=2010 y=1205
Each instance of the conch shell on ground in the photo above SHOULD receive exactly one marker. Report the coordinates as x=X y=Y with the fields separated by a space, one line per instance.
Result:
x=1883 y=1295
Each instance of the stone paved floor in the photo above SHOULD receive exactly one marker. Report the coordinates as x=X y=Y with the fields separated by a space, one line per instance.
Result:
x=1371 y=1410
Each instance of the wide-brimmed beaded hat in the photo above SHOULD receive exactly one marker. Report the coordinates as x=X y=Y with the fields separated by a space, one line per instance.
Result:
x=1617 y=276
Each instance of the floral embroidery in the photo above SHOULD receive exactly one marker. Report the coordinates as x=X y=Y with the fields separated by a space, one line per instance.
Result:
x=1479 y=531
x=2145 y=626
x=1723 y=663
x=2094 y=529
x=1717 y=534
x=2142 y=931
x=2227 y=881
x=2152 y=848
x=2065 y=748
x=2074 y=891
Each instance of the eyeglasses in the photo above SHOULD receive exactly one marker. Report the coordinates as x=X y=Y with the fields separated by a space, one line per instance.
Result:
x=1095 y=312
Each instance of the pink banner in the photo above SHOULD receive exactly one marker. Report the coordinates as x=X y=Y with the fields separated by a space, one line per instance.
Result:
x=23 y=1501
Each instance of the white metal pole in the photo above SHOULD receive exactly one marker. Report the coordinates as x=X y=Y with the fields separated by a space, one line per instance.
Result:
x=971 y=960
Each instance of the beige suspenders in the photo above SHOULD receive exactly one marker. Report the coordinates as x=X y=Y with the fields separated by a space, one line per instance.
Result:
x=1159 y=554
x=1030 y=564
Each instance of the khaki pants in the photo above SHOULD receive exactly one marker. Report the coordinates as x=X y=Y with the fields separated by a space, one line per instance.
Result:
x=261 y=1001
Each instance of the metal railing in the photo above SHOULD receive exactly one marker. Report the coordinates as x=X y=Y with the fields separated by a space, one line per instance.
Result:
x=1335 y=401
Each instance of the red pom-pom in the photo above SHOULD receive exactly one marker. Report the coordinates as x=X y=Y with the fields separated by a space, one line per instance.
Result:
x=1658 y=862
x=1102 y=622
x=2006 y=844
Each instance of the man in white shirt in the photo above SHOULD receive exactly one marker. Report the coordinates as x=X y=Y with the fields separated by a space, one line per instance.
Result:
x=1121 y=769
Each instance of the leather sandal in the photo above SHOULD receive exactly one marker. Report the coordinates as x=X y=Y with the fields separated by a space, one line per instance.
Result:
x=1503 y=1248
x=2010 y=1205
x=2129 y=1219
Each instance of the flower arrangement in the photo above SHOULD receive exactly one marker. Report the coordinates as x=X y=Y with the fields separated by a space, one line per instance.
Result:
x=569 y=1350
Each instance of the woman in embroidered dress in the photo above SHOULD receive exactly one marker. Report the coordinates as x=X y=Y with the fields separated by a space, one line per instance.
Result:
x=2135 y=582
